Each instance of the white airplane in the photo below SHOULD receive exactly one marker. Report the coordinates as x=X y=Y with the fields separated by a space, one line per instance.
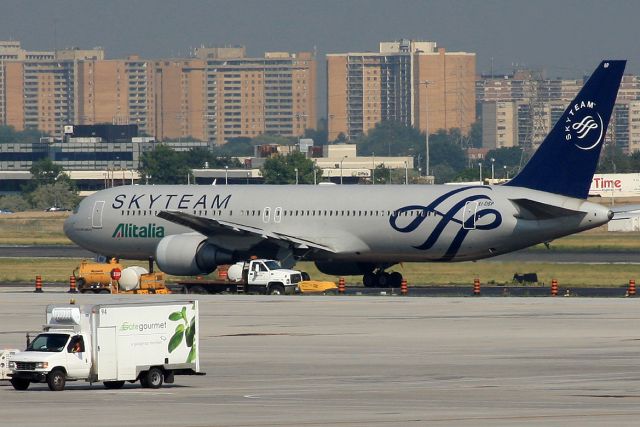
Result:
x=357 y=229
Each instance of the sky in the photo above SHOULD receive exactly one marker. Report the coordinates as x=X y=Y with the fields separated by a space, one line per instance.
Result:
x=565 y=38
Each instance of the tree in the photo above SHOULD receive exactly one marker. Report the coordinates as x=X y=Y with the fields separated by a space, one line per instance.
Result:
x=475 y=135
x=164 y=166
x=45 y=172
x=391 y=138
x=198 y=158
x=14 y=203
x=282 y=169
x=381 y=174
x=59 y=194
x=241 y=146
x=444 y=151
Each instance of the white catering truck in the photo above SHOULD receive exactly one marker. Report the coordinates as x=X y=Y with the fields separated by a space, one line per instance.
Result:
x=111 y=343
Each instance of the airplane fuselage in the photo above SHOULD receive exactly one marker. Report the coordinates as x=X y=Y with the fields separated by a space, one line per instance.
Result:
x=374 y=224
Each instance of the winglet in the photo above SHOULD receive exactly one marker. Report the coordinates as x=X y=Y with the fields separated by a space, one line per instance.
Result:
x=567 y=158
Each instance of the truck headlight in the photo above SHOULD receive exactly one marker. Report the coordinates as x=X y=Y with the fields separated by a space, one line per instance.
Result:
x=288 y=281
x=12 y=365
x=42 y=365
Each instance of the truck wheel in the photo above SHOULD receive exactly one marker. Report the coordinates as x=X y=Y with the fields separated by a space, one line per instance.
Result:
x=113 y=384
x=276 y=290
x=154 y=378
x=56 y=380
x=20 y=383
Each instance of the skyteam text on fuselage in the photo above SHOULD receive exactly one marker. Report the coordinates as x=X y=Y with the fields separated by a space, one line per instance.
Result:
x=354 y=229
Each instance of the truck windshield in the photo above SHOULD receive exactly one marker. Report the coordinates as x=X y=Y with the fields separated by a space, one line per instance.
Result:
x=48 y=342
x=272 y=265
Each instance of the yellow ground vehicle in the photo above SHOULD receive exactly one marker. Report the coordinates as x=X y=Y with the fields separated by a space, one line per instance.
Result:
x=94 y=276
x=317 y=287
x=97 y=277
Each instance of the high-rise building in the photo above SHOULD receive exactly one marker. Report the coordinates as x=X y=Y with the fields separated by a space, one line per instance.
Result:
x=218 y=95
x=246 y=96
x=412 y=82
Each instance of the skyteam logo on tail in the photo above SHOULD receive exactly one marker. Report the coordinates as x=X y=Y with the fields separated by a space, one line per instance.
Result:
x=583 y=125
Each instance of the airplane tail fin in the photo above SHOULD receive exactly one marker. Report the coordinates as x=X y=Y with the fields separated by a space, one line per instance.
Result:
x=567 y=159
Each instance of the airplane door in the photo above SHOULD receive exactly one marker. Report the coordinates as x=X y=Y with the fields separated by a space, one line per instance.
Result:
x=469 y=216
x=96 y=217
x=266 y=215
x=277 y=215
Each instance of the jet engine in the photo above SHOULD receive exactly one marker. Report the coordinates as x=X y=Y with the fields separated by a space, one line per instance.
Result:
x=189 y=254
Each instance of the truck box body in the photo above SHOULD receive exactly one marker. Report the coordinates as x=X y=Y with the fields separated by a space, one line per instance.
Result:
x=119 y=342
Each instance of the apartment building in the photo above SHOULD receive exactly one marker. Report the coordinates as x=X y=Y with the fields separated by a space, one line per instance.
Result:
x=275 y=94
x=413 y=82
x=217 y=95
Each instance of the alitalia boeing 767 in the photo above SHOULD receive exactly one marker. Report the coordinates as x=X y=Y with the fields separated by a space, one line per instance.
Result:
x=357 y=229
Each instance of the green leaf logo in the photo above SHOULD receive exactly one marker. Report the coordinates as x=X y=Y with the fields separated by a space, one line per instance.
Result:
x=191 y=332
x=184 y=331
x=175 y=340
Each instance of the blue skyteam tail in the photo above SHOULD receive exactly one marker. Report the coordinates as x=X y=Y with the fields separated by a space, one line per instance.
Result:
x=567 y=158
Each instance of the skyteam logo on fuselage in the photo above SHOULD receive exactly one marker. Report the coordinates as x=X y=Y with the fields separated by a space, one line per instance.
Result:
x=583 y=125
x=448 y=210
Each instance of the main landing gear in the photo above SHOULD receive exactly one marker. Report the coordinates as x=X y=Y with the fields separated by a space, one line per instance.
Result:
x=381 y=279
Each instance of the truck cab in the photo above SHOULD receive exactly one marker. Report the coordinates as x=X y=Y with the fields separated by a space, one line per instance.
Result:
x=53 y=357
x=267 y=276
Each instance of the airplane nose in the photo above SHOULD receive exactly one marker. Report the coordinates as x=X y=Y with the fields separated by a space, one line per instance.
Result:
x=69 y=225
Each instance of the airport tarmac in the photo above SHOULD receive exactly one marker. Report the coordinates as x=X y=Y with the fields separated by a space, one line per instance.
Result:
x=364 y=361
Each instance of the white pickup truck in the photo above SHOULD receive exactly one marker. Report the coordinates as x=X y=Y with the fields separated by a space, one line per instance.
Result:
x=263 y=276
x=111 y=343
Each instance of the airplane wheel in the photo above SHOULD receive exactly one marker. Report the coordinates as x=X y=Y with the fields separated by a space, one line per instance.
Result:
x=369 y=280
x=383 y=280
x=395 y=279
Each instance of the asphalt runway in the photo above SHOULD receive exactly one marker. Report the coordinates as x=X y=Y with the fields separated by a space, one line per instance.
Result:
x=539 y=256
x=364 y=361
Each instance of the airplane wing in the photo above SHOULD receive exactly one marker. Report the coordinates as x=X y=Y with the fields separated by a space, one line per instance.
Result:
x=210 y=227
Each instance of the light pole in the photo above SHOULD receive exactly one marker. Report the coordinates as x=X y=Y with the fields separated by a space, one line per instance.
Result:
x=406 y=173
x=342 y=160
x=426 y=105
x=248 y=175
x=315 y=174
x=492 y=176
x=373 y=168
x=296 y=169
x=226 y=175
x=480 y=164
x=506 y=174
